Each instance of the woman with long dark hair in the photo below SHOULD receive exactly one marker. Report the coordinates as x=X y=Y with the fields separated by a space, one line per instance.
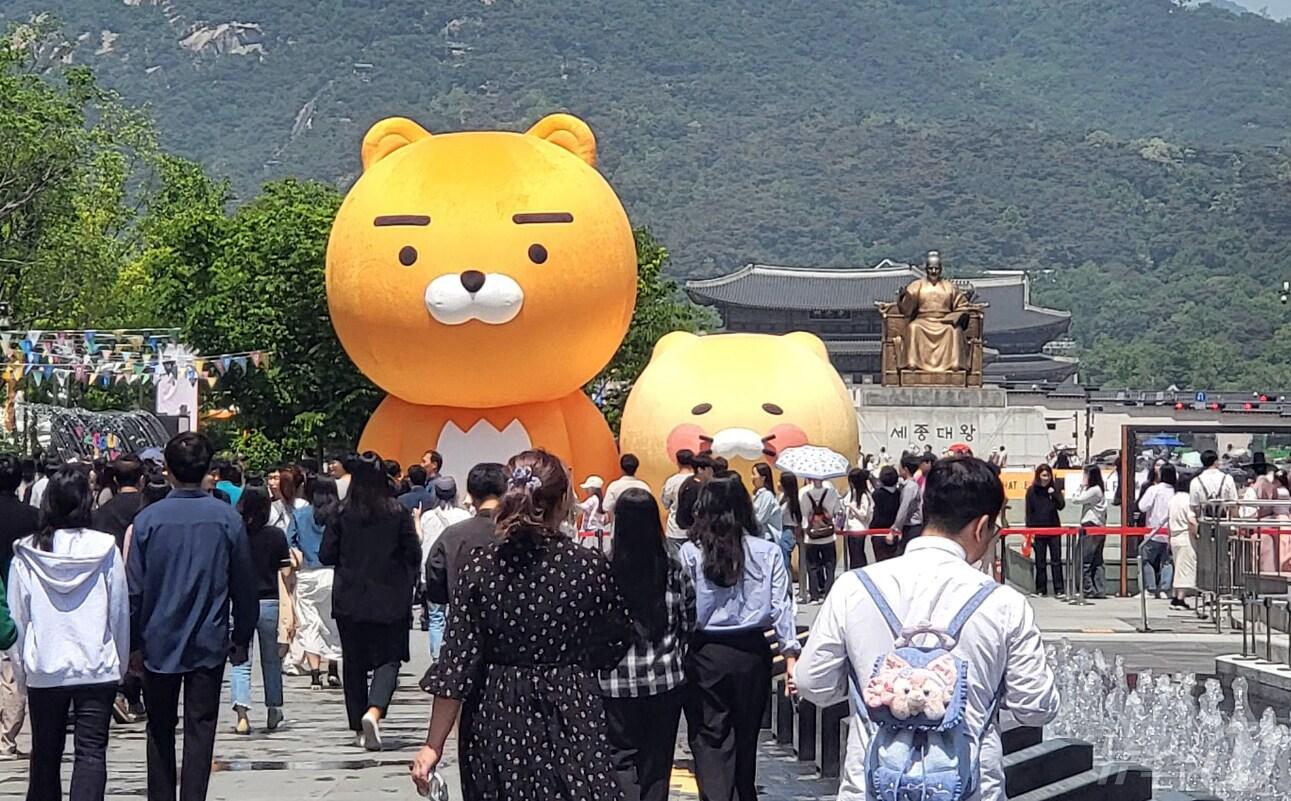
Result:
x=1043 y=503
x=319 y=639
x=532 y=621
x=271 y=560
x=373 y=545
x=1092 y=500
x=791 y=519
x=70 y=604
x=742 y=589
x=1156 y=568
x=644 y=693
x=859 y=508
x=766 y=506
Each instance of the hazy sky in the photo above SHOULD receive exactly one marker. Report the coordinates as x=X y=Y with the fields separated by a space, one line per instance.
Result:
x=1277 y=8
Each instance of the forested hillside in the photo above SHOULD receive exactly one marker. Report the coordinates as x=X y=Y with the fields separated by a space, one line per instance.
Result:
x=1134 y=148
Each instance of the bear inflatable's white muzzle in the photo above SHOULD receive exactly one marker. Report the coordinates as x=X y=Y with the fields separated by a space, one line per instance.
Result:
x=738 y=443
x=498 y=300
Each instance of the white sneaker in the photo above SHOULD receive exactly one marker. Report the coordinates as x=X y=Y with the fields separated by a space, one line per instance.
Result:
x=371 y=732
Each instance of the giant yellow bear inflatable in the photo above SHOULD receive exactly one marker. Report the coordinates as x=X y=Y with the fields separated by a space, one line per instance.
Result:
x=745 y=397
x=481 y=279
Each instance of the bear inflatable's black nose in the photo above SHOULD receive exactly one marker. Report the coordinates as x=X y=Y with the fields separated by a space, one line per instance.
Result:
x=472 y=281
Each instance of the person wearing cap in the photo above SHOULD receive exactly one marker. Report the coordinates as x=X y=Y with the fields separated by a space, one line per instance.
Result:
x=440 y=510
x=593 y=517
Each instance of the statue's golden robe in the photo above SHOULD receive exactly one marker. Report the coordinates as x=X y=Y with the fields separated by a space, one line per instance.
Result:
x=934 y=340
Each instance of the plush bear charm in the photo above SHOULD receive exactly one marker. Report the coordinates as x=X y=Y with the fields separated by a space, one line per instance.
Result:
x=908 y=691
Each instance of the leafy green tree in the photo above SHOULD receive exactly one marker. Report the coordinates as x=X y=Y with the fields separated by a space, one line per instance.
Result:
x=661 y=308
x=72 y=157
x=254 y=281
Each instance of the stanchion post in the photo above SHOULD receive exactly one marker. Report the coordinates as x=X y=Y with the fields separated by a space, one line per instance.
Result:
x=1143 y=597
x=1078 y=567
x=1245 y=621
x=1268 y=629
x=1218 y=556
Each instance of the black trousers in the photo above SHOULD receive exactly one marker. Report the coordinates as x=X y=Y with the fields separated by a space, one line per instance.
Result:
x=201 y=710
x=856 y=552
x=370 y=648
x=91 y=709
x=907 y=534
x=821 y=561
x=1092 y=571
x=883 y=551
x=643 y=739
x=1048 y=554
x=728 y=676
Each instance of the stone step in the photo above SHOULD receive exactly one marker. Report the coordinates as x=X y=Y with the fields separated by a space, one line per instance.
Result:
x=1019 y=737
x=831 y=738
x=804 y=732
x=1114 y=781
x=1044 y=764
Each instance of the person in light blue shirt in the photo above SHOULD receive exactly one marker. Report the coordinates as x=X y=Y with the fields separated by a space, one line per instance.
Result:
x=765 y=506
x=741 y=590
x=230 y=482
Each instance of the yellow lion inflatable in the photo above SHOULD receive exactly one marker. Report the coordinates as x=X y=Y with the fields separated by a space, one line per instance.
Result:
x=481 y=279
x=745 y=397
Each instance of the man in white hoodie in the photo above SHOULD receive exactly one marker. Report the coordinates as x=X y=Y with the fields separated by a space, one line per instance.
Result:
x=68 y=584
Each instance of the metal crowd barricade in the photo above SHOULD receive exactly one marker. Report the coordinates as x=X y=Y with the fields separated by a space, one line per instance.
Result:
x=869 y=532
x=1232 y=542
x=1069 y=546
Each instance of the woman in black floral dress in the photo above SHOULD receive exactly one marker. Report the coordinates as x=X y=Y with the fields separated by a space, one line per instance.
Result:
x=533 y=619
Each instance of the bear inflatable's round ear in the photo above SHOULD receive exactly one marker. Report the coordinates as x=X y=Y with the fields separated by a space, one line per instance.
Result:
x=569 y=132
x=812 y=342
x=389 y=135
x=671 y=341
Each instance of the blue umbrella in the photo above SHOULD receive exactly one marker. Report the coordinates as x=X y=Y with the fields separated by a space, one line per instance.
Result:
x=1163 y=441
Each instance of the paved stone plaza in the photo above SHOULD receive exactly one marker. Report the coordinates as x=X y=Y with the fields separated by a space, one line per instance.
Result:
x=313 y=756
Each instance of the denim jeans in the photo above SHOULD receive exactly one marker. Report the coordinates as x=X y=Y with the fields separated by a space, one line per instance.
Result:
x=1156 y=565
x=270 y=662
x=787 y=543
x=1092 y=570
x=436 y=617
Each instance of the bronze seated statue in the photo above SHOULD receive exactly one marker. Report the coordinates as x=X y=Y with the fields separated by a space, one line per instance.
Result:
x=932 y=333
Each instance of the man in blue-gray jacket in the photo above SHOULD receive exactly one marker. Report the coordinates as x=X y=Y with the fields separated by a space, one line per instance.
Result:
x=189 y=562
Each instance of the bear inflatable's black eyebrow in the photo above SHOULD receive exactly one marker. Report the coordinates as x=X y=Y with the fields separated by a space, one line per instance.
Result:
x=401 y=219
x=543 y=217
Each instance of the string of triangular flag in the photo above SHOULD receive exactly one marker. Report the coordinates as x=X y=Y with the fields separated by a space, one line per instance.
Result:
x=106 y=368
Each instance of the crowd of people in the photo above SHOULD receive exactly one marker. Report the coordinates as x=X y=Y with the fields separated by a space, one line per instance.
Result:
x=569 y=628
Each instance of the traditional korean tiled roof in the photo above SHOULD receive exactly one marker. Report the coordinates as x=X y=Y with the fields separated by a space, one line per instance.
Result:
x=800 y=288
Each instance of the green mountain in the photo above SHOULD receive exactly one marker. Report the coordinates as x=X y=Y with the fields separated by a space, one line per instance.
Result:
x=1131 y=147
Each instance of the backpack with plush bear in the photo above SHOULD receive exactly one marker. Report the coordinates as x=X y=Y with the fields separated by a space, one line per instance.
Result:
x=916 y=696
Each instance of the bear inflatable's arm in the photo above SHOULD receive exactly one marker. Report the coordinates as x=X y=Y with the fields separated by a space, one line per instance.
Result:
x=593 y=450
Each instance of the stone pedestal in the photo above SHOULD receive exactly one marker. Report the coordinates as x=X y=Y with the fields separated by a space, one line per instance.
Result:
x=897 y=418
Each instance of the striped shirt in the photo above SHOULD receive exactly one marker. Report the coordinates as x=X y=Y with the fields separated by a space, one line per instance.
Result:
x=650 y=668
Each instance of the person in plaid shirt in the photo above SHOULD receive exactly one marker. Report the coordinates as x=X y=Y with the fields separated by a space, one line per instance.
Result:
x=643 y=694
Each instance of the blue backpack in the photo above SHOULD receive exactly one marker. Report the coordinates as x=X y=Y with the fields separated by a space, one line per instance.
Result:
x=916 y=695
